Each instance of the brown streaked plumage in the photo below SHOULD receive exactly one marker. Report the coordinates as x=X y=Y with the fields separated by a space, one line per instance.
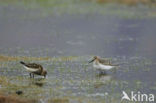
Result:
x=34 y=68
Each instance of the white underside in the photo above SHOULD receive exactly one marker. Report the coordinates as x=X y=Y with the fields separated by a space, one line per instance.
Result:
x=102 y=66
x=30 y=69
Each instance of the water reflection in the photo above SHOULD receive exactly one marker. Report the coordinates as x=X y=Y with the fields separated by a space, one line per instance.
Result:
x=37 y=82
x=102 y=79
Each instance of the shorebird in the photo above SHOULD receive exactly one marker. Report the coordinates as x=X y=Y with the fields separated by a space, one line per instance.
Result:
x=102 y=64
x=34 y=68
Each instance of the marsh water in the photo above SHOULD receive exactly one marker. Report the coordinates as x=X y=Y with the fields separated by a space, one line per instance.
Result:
x=69 y=41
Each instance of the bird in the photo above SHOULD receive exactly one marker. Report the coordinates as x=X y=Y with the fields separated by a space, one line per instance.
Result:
x=102 y=64
x=34 y=68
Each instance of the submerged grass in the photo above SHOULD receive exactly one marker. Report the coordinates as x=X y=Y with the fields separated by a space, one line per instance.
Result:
x=69 y=80
x=4 y=58
x=15 y=58
x=14 y=99
x=59 y=100
x=67 y=2
x=29 y=91
x=128 y=2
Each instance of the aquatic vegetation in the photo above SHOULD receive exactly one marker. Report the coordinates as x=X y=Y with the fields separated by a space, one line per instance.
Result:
x=72 y=7
x=127 y=2
x=153 y=87
x=139 y=84
x=15 y=58
x=15 y=99
x=59 y=100
x=4 y=58
x=69 y=79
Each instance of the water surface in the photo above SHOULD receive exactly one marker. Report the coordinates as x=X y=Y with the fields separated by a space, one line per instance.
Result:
x=129 y=41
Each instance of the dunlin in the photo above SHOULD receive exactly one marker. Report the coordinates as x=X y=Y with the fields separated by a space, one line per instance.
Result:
x=102 y=64
x=34 y=68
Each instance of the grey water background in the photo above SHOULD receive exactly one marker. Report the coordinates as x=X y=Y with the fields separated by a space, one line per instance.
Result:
x=90 y=34
x=124 y=39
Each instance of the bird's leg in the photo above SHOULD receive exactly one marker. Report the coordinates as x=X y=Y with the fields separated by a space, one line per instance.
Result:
x=102 y=72
x=33 y=75
x=30 y=75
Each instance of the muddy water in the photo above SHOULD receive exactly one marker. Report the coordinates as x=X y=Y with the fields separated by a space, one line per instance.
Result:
x=128 y=41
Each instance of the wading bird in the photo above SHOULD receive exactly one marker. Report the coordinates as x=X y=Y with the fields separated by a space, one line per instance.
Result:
x=102 y=64
x=34 y=68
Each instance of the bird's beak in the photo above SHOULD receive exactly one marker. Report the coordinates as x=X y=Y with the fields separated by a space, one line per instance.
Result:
x=91 y=60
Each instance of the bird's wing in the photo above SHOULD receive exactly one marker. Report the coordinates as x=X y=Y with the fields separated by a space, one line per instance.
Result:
x=104 y=61
x=33 y=65
x=107 y=62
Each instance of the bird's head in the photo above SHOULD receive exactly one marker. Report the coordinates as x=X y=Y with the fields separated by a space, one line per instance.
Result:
x=94 y=58
x=44 y=73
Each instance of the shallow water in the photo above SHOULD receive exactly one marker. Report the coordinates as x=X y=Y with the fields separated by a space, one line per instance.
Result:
x=127 y=41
